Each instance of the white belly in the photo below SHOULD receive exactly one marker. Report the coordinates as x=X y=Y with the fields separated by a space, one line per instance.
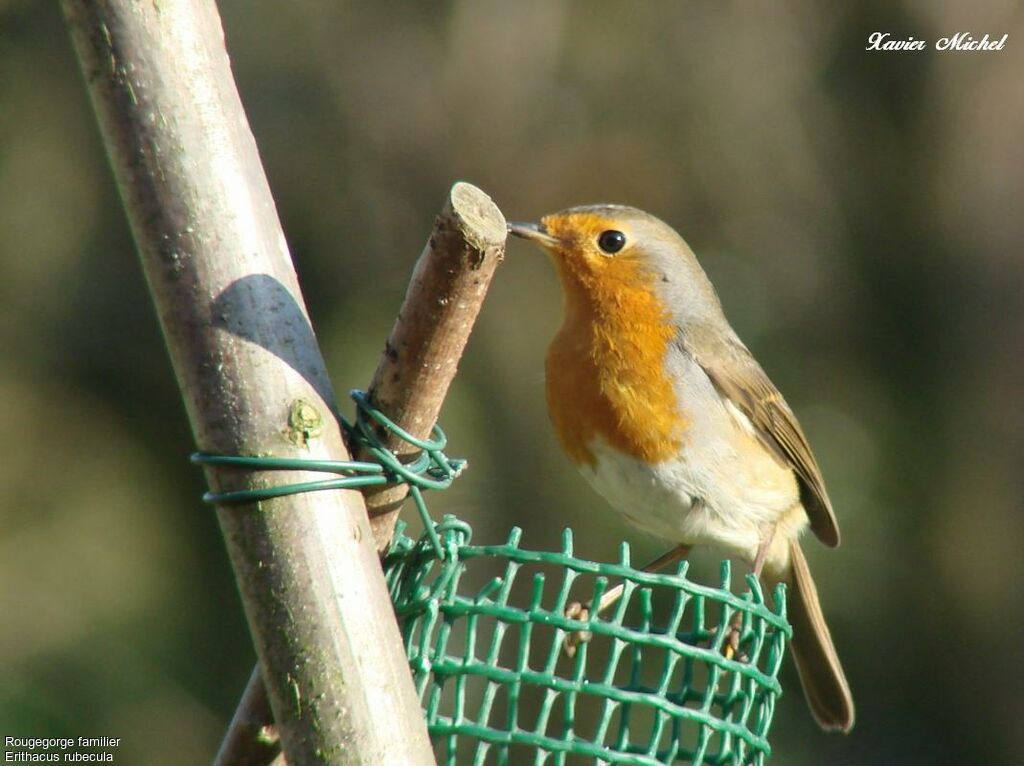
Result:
x=712 y=497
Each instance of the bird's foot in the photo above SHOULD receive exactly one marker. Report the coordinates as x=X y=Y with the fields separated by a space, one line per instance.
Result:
x=731 y=642
x=576 y=611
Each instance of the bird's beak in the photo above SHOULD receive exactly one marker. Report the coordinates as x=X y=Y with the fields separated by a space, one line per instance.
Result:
x=534 y=232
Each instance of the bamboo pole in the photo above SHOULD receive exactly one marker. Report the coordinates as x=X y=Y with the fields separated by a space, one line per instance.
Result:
x=418 y=364
x=251 y=376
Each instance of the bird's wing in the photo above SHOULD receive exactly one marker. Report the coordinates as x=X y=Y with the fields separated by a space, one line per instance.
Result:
x=739 y=378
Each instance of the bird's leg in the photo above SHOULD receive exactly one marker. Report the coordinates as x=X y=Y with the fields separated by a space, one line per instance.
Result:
x=762 y=551
x=578 y=611
x=732 y=641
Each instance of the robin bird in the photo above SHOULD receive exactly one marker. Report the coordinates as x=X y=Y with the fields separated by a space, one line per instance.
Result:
x=671 y=419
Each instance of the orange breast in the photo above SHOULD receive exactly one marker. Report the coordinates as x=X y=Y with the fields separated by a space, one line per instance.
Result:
x=605 y=373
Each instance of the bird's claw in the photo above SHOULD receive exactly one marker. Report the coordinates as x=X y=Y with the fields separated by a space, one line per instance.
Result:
x=576 y=611
x=731 y=642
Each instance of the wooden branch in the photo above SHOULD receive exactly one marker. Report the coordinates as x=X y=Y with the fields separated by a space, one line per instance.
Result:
x=419 y=362
x=423 y=351
x=251 y=376
x=255 y=739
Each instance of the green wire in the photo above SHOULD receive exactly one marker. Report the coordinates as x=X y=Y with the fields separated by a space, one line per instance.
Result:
x=431 y=469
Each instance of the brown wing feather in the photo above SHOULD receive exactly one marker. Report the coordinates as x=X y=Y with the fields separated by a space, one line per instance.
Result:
x=738 y=377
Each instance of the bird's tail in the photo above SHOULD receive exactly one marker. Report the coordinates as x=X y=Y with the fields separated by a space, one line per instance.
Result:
x=821 y=675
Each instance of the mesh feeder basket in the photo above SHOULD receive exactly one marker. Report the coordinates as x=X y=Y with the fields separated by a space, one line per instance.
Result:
x=485 y=630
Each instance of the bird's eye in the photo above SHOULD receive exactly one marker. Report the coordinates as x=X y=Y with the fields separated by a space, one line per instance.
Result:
x=611 y=241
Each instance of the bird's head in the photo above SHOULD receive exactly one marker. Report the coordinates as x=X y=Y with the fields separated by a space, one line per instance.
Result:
x=613 y=250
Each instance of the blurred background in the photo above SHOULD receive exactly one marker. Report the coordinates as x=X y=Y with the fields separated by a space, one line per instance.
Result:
x=859 y=212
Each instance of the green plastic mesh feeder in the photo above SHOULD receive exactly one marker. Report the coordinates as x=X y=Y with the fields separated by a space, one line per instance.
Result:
x=485 y=629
